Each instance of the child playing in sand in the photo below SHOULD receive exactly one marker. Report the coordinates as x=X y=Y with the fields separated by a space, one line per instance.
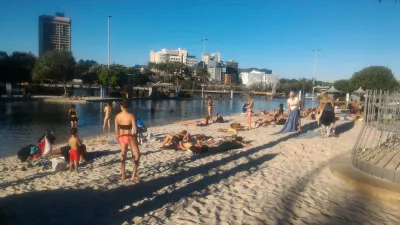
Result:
x=74 y=144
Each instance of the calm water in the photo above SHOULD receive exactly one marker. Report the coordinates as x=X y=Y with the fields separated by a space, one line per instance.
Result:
x=22 y=123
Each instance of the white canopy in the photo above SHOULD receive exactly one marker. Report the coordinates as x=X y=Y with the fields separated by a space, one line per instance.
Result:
x=359 y=91
x=333 y=90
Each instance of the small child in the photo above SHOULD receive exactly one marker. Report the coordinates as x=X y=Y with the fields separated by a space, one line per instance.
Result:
x=74 y=143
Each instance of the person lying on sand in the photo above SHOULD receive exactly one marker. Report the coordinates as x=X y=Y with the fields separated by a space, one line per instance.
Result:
x=219 y=119
x=203 y=123
x=218 y=146
x=172 y=140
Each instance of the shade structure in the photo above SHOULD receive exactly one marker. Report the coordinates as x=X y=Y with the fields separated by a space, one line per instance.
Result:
x=333 y=90
x=359 y=91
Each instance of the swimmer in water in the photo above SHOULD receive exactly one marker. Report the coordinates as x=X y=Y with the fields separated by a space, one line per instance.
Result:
x=73 y=117
x=107 y=117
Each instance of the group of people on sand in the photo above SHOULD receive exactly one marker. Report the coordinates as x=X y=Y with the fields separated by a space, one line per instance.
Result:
x=125 y=130
x=199 y=143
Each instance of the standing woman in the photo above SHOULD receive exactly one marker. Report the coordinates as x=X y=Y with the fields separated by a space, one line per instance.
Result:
x=210 y=106
x=250 y=106
x=107 y=117
x=293 y=121
x=126 y=130
x=73 y=117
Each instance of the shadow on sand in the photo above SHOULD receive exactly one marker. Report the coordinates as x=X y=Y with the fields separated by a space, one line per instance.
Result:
x=89 y=206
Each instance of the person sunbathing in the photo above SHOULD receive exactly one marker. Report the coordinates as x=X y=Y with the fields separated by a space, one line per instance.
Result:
x=172 y=140
x=219 y=119
x=205 y=122
x=217 y=146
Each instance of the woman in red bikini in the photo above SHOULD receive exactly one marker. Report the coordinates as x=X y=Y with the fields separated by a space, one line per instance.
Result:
x=126 y=129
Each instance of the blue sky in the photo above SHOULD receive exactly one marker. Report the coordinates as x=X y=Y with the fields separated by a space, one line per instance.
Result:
x=274 y=34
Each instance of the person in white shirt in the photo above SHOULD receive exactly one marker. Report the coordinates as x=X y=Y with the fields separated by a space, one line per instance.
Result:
x=294 y=103
x=293 y=120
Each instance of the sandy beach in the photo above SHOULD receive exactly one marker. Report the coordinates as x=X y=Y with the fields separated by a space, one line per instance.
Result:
x=280 y=179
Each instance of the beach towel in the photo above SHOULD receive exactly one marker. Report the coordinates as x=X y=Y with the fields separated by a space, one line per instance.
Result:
x=292 y=122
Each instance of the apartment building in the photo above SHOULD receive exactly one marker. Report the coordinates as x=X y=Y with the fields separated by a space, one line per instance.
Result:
x=165 y=56
x=54 y=33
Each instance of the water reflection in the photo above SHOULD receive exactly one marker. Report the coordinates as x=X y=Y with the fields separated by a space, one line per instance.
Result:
x=22 y=123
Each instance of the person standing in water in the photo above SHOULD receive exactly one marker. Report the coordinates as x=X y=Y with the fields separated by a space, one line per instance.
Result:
x=250 y=106
x=210 y=106
x=73 y=117
x=126 y=130
x=107 y=117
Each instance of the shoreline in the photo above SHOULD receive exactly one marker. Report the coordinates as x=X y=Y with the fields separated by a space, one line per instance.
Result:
x=279 y=178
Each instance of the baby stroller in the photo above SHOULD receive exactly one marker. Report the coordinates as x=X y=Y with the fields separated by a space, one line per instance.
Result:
x=40 y=152
x=141 y=129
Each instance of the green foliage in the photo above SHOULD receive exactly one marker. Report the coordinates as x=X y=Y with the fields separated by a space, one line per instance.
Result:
x=137 y=77
x=17 y=67
x=55 y=65
x=82 y=71
x=374 y=78
x=344 y=86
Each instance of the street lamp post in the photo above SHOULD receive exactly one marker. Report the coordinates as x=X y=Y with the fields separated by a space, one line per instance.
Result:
x=204 y=48
x=108 y=65
x=315 y=69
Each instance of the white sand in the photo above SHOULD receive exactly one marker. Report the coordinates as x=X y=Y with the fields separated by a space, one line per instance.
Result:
x=280 y=179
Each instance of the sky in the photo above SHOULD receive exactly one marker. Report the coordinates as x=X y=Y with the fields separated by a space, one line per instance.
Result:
x=275 y=34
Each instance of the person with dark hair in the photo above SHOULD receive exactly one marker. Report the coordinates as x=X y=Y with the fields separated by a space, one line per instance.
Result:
x=219 y=119
x=126 y=130
x=203 y=123
x=107 y=117
x=73 y=116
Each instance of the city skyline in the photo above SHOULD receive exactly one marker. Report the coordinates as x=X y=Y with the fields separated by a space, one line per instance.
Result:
x=275 y=35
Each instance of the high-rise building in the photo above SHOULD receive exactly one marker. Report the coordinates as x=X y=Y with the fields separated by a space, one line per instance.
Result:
x=191 y=61
x=255 y=77
x=216 y=71
x=165 y=56
x=232 y=68
x=54 y=33
x=207 y=57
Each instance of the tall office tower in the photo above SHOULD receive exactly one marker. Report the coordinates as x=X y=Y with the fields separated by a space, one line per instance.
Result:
x=54 y=33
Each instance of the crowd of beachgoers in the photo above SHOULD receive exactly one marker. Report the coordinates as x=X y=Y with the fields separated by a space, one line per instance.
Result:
x=161 y=154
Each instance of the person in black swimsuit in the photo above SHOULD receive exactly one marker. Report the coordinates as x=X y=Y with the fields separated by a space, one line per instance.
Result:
x=73 y=117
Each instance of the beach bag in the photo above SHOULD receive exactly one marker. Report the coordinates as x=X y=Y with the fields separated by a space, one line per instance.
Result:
x=58 y=164
x=24 y=153
x=244 y=109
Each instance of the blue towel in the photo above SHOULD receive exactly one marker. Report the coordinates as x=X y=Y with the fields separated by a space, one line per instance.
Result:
x=292 y=122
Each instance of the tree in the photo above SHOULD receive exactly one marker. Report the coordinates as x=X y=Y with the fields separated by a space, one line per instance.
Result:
x=82 y=68
x=55 y=65
x=112 y=74
x=17 y=67
x=137 y=77
x=374 y=78
x=343 y=85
